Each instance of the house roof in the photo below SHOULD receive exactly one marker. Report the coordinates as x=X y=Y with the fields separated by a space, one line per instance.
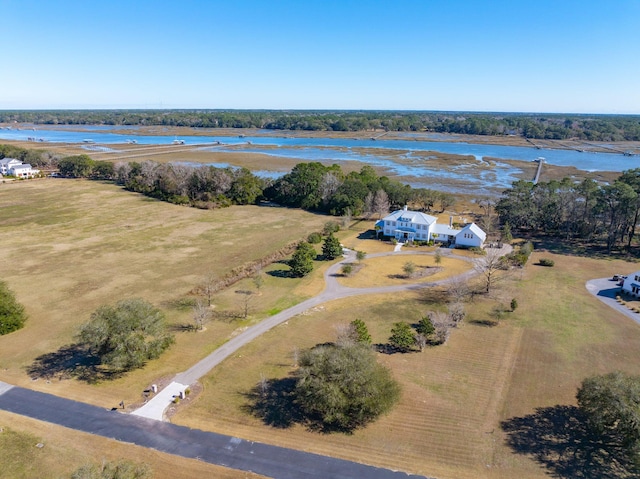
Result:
x=475 y=229
x=411 y=217
x=445 y=230
x=7 y=161
x=21 y=167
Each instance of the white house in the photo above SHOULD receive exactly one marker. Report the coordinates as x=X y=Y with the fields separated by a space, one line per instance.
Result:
x=7 y=163
x=11 y=166
x=631 y=284
x=406 y=225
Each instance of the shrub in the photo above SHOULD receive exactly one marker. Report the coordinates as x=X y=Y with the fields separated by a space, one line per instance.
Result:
x=331 y=227
x=514 y=304
x=314 y=238
x=347 y=269
x=546 y=262
x=12 y=315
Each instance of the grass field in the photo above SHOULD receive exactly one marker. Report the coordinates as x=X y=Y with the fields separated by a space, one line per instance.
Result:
x=70 y=246
x=448 y=422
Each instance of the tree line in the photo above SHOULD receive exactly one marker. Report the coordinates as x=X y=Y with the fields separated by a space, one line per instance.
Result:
x=538 y=126
x=586 y=210
x=311 y=186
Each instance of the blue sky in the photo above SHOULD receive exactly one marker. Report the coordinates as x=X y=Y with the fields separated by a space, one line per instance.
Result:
x=468 y=55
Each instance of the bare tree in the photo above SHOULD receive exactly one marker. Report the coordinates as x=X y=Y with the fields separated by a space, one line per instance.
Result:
x=442 y=324
x=148 y=172
x=122 y=169
x=421 y=341
x=247 y=299
x=208 y=286
x=368 y=205
x=458 y=290
x=490 y=265
x=347 y=217
x=381 y=203
x=457 y=312
x=345 y=334
x=258 y=281
x=201 y=315
x=329 y=184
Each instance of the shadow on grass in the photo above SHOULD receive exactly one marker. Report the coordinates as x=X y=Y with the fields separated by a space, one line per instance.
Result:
x=71 y=361
x=557 y=437
x=275 y=404
x=582 y=248
x=489 y=323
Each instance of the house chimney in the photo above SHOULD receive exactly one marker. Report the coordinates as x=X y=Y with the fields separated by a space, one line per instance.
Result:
x=405 y=207
x=450 y=221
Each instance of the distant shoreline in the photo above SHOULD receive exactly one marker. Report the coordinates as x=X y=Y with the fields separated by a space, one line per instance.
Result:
x=502 y=140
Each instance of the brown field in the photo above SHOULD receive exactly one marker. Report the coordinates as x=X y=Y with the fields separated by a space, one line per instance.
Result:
x=448 y=422
x=69 y=246
x=387 y=271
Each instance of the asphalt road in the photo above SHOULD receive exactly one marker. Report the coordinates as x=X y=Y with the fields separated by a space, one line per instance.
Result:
x=263 y=459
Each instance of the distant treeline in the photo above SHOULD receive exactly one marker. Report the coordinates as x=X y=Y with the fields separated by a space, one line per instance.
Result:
x=570 y=210
x=311 y=186
x=539 y=126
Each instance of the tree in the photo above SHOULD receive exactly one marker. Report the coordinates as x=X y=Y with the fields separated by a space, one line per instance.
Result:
x=425 y=327
x=201 y=315
x=127 y=335
x=331 y=248
x=437 y=257
x=258 y=280
x=361 y=333
x=402 y=337
x=381 y=203
x=346 y=269
x=611 y=403
x=489 y=266
x=360 y=255
x=301 y=262
x=12 y=315
x=409 y=268
x=110 y=470
x=343 y=388
x=208 y=286
x=79 y=166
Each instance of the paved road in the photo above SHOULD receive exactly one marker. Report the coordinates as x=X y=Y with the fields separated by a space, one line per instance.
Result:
x=605 y=290
x=263 y=459
x=154 y=408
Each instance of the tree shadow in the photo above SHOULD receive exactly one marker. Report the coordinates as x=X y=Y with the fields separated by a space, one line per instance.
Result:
x=275 y=404
x=71 y=361
x=558 y=438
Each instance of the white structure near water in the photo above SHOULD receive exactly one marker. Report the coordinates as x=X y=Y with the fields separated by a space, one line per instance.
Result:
x=407 y=226
x=13 y=167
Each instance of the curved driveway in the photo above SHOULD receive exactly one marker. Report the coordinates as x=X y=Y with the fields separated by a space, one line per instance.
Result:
x=154 y=408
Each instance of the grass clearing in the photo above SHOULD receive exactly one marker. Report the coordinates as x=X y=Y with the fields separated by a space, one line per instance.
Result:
x=454 y=397
x=387 y=271
x=71 y=245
